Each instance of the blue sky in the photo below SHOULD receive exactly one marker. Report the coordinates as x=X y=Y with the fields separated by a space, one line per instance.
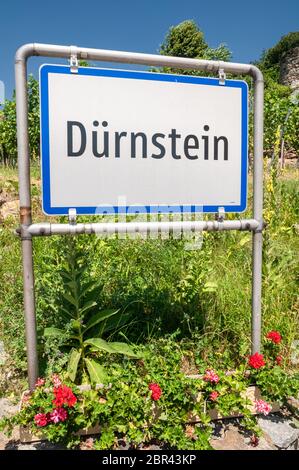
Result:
x=140 y=25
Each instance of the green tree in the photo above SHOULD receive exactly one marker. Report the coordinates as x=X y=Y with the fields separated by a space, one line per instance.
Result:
x=273 y=56
x=186 y=40
x=8 y=128
x=280 y=111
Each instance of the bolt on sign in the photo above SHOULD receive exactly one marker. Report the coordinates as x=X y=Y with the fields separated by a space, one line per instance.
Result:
x=116 y=141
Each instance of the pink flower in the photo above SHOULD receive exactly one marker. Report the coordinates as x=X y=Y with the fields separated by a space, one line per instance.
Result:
x=263 y=407
x=40 y=382
x=57 y=415
x=56 y=380
x=41 y=419
x=211 y=376
x=213 y=395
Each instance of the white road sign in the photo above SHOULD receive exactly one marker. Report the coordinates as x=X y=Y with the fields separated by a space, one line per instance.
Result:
x=127 y=141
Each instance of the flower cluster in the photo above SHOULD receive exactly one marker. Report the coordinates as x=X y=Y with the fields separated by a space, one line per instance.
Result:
x=41 y=419
x=214 y=395
x=211 y=376
x=56 y=416
x=40 y=382
x=64 y=396
x=274 y=336
x=263 y=407
x=156 y=391
x=256 y=361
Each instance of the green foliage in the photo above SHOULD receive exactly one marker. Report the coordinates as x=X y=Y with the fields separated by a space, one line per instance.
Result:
x=281 y=116
x=275 y=382
x=281 y=111
x=278 y=384
x=291 y=131
x=8 y=136
x=158 y=281
x=272 y=57
x=8 y=132
x=126 y=409
x=83 y=324
x=186 y=40
x=159 y=287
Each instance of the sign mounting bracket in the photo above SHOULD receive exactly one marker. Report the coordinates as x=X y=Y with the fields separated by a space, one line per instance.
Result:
x=221 y=214
x=222 y=76
x=72 y=216
x=74 y=60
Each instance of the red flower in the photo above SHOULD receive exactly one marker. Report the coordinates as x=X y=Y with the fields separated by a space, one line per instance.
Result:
x=256 y=361
x=214 y=395
x=64 y=396
x=274 y=336
x=278 y=360
x=41 y=419
x=156 y=391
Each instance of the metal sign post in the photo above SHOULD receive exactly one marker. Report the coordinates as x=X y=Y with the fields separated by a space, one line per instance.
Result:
x=28 y=229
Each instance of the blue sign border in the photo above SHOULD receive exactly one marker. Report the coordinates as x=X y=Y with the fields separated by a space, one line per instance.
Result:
x=48 y=209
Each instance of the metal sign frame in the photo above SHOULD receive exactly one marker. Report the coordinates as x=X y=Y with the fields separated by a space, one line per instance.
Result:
x=28 y=229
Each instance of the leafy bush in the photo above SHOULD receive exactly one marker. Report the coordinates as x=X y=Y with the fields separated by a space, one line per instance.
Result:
x=8 y=131
x=272 y=57
x=83 y=324
x=186 y=40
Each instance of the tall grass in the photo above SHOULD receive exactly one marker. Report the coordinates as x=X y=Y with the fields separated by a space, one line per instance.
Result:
x=204 y=293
